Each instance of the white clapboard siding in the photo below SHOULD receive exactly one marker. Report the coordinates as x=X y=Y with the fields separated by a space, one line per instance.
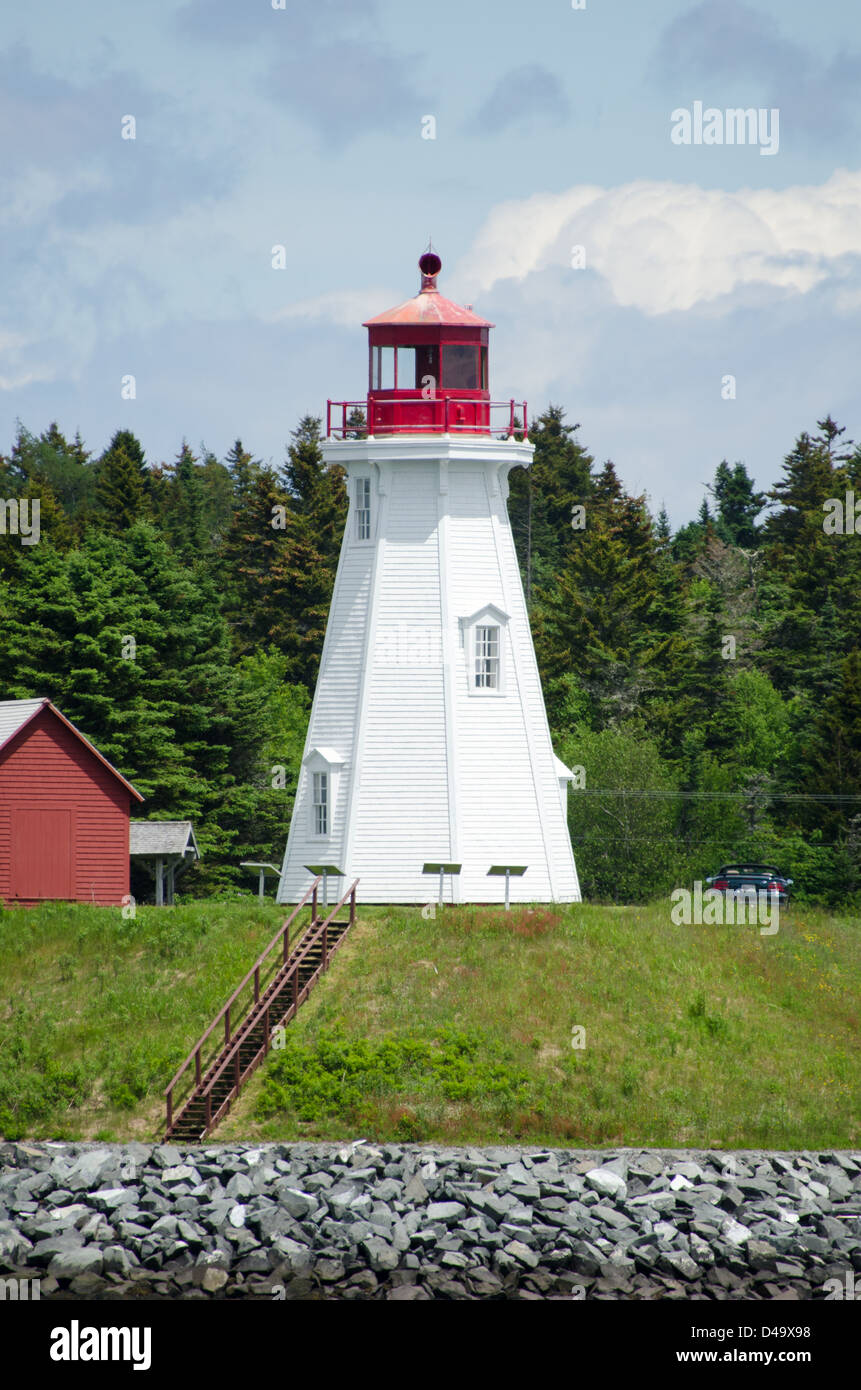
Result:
x=428 y=771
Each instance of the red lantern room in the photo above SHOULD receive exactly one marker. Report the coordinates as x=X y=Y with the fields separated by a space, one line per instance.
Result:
x=427 y=370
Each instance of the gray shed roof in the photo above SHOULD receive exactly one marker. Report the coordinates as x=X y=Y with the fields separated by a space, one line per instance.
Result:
x=14 y=715
x=153 y=838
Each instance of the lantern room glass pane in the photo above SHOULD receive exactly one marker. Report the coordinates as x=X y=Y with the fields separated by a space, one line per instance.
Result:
x=383 y=373
x=427 y=369
x=460 y=368
x=406 y=379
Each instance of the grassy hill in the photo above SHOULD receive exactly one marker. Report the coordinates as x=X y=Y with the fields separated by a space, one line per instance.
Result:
x=456 y=1028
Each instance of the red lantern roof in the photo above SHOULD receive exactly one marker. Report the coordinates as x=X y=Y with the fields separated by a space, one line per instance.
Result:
x=429 y=307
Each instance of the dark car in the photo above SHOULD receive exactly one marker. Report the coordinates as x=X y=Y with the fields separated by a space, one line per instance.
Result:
x=761 y=878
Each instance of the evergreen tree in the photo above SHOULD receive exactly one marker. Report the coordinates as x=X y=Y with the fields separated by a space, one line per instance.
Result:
x=120 y=496
x=280 y=588
x=738 y=505
x=541 y=498
x=244 y=471
x=65 y=468
x=594 y=618
x=318 y=495
x=185 y=511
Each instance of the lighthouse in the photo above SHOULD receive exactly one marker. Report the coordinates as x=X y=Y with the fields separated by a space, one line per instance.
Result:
x=428 y=771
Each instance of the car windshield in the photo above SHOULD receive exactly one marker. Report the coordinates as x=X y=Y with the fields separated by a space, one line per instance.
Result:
x=741 y=870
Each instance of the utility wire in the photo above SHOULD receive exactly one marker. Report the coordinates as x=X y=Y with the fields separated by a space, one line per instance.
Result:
x=720 y=796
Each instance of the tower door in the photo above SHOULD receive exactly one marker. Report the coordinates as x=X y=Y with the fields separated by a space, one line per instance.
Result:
x=41 y=854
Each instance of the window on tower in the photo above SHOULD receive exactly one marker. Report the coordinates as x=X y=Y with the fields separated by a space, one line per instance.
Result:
x=427 y=365
x=407 y=368
x=363 y=509
x=320 y=803
x=383 y=369
x=461 y=368
x=487 y=658
x=405 y=373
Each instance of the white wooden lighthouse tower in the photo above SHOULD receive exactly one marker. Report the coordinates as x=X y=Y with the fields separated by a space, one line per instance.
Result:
x=428 y=742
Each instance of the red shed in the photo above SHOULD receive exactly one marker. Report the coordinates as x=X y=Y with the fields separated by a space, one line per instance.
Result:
x=64 y=811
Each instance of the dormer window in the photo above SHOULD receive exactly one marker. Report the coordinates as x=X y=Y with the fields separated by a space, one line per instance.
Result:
x=483 y=636
x=323 y=766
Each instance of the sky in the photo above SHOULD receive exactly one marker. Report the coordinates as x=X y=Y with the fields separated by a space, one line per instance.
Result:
x=711 y=313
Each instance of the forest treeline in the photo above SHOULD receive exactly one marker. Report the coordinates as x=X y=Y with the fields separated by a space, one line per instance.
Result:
x=707 y=682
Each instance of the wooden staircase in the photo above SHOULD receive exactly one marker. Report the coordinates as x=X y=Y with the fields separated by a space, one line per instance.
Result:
x=274 y=989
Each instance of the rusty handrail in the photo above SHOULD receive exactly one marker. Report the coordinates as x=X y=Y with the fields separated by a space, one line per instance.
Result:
x=282 y=933
x=232 y=1055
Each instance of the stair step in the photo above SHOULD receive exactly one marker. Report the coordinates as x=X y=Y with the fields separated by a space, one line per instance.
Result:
x=250 y=1040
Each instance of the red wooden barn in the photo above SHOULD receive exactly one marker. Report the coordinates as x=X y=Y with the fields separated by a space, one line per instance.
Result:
x=64 y=811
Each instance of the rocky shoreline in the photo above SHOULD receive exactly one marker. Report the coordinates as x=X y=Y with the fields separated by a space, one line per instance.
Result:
x=411 y=1222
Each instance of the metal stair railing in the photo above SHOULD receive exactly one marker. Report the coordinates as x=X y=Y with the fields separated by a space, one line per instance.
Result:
x=231 y=1024
x=231 y=1055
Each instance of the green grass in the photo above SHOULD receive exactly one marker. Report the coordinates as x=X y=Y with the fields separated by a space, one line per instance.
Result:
x=456 y=1029
x=694 y=1036
x=97 y=1012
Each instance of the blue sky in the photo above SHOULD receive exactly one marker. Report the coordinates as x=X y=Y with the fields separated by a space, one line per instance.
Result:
x=258 y=126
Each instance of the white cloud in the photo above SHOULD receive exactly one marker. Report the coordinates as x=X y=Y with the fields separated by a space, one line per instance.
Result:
x=346 y=307
x=664 y=247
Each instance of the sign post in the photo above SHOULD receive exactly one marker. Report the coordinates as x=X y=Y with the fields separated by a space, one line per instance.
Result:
x=325 y=870
x=442 y=870
x=497 y=870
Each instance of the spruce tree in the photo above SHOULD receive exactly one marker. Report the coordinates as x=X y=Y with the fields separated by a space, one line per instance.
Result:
x=738 y=505
x=542 y=497
x=120 y=496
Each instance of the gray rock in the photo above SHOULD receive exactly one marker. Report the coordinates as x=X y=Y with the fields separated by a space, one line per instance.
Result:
x=45 y=1250
x=81 y=1259
x=166 y=1156
x=380 y=1255
x=296 y=1202
x=734 y=1232
x=291 y=1255
x=109 y=1198
x=607 y=1182
x=181 y=1173
x=117 y=1260
x=87 y=1169
x=678 y=1262
x=14 y=1246
x=760 y=1254
x=521 y=1253
x=445 y=1211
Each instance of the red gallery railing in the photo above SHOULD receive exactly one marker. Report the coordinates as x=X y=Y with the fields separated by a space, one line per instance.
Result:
x=385 y=415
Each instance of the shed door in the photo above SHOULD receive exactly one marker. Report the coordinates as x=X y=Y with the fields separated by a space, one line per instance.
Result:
x=41 y=854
